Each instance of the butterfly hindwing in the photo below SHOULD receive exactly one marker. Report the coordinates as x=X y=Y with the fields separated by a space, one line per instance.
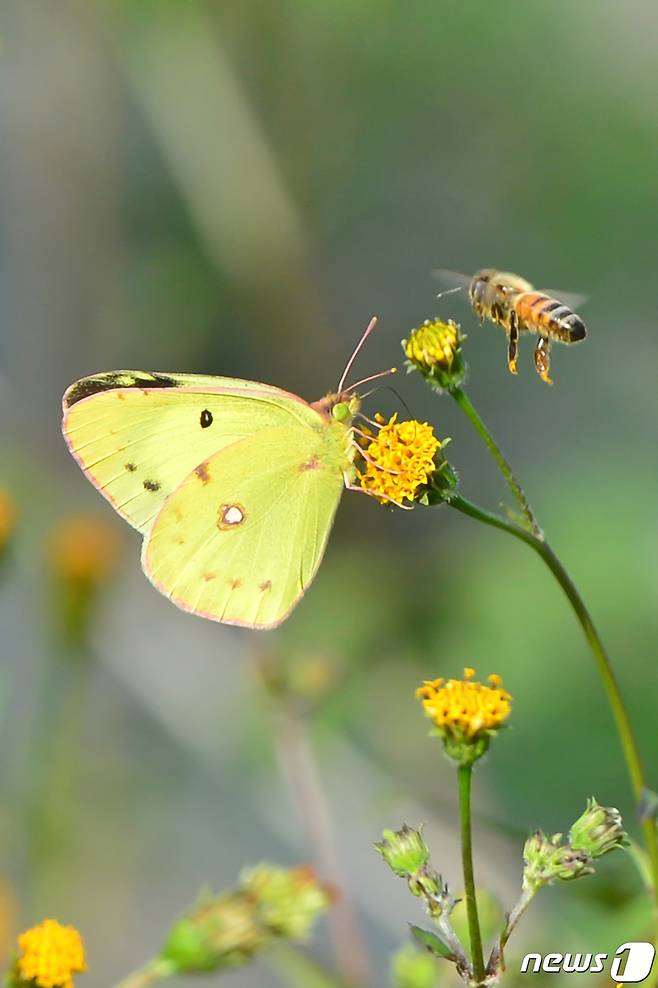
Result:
x=138 y=435
x=243 y=535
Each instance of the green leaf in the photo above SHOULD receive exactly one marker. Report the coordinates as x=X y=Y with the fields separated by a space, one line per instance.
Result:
x=432 y=942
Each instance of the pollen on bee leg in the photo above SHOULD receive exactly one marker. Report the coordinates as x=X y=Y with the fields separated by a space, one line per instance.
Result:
x=230 y=516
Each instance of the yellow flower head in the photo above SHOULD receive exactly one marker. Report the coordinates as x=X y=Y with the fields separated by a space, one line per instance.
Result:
x=399 y=461
x=83 y=550
x=465 y=713
x=7 y=517
x=435 y=343
x=50 y=953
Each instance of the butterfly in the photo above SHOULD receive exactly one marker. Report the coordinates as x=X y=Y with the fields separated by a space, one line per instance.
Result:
x=233 y=484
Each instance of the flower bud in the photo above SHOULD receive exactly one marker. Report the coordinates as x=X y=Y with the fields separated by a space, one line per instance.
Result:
x=404 y=851
x=547 y=858
x=434 y=349
x=598 y=830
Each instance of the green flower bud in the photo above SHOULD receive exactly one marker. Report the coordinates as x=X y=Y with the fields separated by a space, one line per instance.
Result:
x=598 y=830
x=434 y=349
x=547 y=858
x=404 y=851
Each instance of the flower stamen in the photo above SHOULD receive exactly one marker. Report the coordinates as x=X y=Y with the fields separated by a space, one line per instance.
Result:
x=400 y=459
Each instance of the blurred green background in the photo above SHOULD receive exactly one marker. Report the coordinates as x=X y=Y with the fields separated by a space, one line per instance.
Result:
x=234 y=188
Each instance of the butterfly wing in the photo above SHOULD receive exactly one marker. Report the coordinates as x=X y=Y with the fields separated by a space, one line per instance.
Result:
x=137 y=435
x=242 y=537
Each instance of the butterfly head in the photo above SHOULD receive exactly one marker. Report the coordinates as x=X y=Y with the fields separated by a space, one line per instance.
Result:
x=345 y=408
x=339 y=407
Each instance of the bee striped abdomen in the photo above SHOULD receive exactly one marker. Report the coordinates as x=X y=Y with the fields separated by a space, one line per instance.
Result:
x=539 y=313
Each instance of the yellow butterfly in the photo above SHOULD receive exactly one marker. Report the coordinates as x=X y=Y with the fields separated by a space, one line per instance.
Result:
x=234 y=484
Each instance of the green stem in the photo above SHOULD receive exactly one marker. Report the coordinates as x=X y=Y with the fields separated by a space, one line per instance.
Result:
x=471 y=413
x=465 y=773
x=152 y=972
x=619 y=712
x=497 y=960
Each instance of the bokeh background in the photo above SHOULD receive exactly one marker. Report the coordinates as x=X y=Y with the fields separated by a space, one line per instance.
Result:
x=234 y=188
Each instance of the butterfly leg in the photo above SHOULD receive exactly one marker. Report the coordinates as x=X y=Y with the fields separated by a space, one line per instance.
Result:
x=378 y=497
x=513 y=342
x=542 y=358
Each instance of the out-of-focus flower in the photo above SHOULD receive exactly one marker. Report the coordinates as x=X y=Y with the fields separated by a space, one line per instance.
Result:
x=434 y=349
x=289 y=900
x=599 y=830
x=268 y=904
x=412 y=969
x=83 y=550
x=465 y=713
x=399 y=460
x=49 y=954
x=547 y=858
x=7 y=518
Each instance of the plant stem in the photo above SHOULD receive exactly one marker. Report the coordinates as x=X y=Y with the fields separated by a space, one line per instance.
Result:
x=471 y=413
x=497 y=960
x=465 y=773
x=619 y=712
x=152 y=972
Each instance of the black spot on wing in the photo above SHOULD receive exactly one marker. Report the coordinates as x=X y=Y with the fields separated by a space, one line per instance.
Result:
x=97 y=383
x=206 y=418
x=151 y=485
x=131 y=467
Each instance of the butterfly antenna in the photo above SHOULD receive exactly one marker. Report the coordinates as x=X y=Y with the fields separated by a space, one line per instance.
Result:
x=369 y=328
x=450 y=291
x=373 y=377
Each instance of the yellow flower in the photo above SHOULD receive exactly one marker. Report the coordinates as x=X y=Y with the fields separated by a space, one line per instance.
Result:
x=83 y=550
x=434 y=344
x=7 y=517
x=50 y=953
x=465 y=713
x=399 y=461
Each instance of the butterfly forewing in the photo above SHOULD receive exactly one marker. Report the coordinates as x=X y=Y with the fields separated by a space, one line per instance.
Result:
x=242 y=537
x=138 y=435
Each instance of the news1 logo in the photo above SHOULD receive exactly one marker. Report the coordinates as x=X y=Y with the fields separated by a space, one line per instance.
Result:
x=631 y=963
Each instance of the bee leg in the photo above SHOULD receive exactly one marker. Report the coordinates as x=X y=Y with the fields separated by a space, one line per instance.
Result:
x=513 y=342
x=542 y=358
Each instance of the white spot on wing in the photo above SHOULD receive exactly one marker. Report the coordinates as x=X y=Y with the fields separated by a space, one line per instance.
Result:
x=230 y=516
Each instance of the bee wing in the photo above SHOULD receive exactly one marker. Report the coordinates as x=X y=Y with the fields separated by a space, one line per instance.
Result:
x=451 y=279
x=572 y=299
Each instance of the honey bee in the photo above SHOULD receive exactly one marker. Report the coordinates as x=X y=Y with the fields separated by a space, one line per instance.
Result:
x=511 y=302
